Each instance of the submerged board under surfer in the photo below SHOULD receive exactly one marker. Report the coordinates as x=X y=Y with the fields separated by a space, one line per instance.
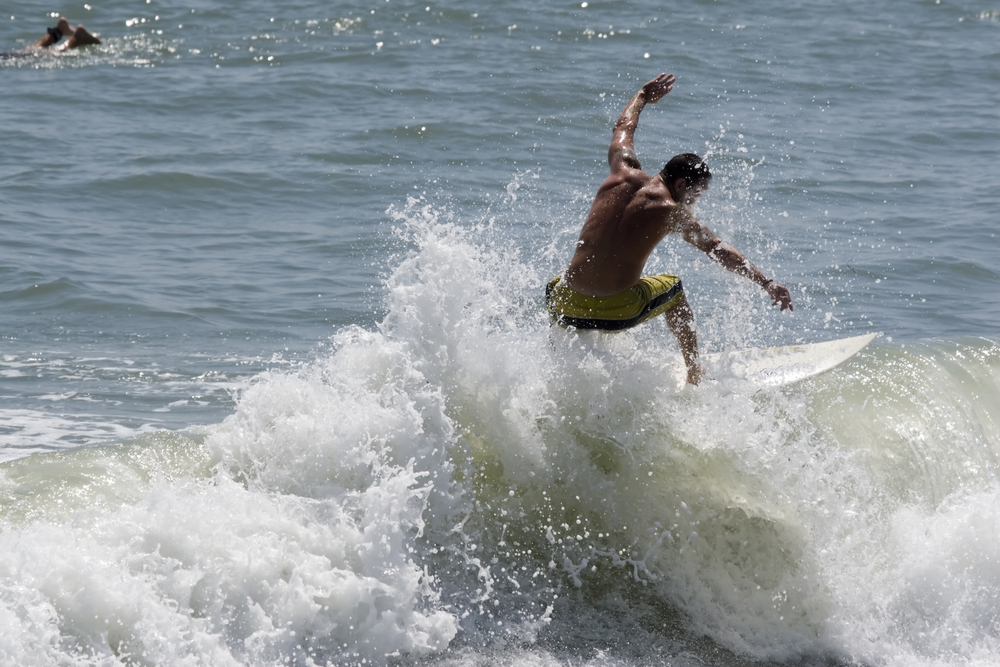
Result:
x=603 y=288
x=78 y=36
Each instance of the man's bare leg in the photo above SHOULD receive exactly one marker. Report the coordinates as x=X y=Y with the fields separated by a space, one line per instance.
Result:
x=80 y=37
x=680 y=319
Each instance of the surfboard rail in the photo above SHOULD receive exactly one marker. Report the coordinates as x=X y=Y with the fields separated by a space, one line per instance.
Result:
x=777 y=366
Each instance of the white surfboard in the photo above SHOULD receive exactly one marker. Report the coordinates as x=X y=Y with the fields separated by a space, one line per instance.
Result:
x=776 y=366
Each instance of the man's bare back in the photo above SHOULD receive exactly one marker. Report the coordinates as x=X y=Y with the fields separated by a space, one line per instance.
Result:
x=633 y=211
x=631 y=214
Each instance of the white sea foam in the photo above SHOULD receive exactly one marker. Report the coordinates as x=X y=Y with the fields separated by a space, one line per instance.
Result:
x=467 y=478
x=24 y=432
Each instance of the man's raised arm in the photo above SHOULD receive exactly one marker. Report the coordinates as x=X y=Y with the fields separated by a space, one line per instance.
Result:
x=622 y=149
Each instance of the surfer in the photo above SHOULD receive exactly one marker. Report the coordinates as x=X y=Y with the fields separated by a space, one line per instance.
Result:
x=603 y=288
x=78 y=36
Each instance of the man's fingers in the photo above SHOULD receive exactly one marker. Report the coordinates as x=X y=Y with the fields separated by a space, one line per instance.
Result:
x=666 y=80
x=782 y=297
x=659 y=87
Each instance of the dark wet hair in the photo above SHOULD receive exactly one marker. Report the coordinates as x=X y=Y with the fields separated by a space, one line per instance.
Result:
x=687 y=166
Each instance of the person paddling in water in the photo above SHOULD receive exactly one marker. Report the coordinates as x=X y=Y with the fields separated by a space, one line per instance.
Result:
x=78 y=36
x=603 y=288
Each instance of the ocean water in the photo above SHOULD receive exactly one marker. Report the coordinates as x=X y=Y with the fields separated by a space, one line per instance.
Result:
x=277 y=388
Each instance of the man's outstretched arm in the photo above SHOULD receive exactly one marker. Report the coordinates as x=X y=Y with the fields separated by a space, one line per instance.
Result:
x=732 y=259
x=735 y=261
x=622 y=149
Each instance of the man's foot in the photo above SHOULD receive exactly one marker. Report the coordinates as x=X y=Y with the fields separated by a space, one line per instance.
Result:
x=694 y=374
x=81 y=37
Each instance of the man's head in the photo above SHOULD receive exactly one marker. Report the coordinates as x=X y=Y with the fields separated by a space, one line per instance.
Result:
x=687 y=176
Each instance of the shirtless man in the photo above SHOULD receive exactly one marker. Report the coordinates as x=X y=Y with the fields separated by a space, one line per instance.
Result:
x=78 y=36
x=603 y=288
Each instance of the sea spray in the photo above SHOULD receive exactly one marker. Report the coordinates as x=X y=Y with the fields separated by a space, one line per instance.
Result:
x=569 y=436
x=362 y=432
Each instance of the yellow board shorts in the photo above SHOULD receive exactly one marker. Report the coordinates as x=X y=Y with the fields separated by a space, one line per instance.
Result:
x=650 y=297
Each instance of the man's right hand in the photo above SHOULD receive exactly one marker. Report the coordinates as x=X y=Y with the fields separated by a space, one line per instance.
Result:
x=780 y=294
x=658 y=87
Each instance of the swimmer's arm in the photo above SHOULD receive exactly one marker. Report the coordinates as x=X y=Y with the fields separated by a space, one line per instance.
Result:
x=701 y=237
x=622 y=150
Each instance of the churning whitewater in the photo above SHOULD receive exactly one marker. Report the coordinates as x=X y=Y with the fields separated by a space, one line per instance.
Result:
x=469 y=478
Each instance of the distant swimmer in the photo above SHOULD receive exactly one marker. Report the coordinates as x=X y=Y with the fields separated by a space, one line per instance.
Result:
x=604 y=288
x=78 y=36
